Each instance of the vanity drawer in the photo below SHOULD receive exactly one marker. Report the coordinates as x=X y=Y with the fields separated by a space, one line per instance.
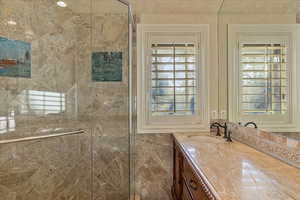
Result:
x=193 y=183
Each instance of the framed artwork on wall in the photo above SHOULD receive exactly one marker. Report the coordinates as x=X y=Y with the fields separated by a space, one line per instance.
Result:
x=106 y=66
x=15 y=58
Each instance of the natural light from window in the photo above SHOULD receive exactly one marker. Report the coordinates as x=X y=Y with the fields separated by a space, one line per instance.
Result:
x=42 y=102
x=264 y=78
x=7 y=123
x=173 y=79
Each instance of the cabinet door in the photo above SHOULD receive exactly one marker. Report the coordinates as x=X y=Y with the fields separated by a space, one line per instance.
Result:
x=185 y=193
x=193 y=182
x=178 y=181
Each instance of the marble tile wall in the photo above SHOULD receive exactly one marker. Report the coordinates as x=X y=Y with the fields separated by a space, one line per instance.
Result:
x=274 y=144
x=153 y=166
x=283 y=146
x=110 y=156
x=49 y=169
x=51 y=32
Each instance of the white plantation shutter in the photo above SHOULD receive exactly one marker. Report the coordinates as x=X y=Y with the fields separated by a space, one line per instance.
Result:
x=263 y=75
x=42 y=102
x=172 y=89
x=173 y=79
x=264 y=78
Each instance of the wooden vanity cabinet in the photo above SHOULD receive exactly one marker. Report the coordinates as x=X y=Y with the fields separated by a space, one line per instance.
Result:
x=186 y=194
x=187 y=184
x=177 y=174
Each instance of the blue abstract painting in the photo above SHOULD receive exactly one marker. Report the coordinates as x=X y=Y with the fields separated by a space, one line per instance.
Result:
x=106 y=66
x=15 y=58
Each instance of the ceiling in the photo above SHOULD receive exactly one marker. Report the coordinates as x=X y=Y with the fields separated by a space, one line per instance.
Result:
x=96 y=6
x=187 y=6
x=261 y=6
x=175 y=6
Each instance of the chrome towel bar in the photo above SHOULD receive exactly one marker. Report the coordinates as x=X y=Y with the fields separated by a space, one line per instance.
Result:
x=41 y=137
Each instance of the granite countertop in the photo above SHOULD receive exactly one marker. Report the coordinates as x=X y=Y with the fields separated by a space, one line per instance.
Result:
x=235 y=171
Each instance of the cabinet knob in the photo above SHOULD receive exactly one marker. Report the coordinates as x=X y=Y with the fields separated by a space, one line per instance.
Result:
x=193 y=185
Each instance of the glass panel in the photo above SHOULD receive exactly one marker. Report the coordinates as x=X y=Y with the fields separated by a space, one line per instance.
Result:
x=255 y=106
x=59 y=96
x=278 y=97
x=163 y=99
x=253 y=58
x=158 y=75
x=254 y=82
x=279 y=90
x=163 y=107
x=279 y=66
x=184 y=106
x=179 y=83
x=278 y=82
x=187 y=90
x=254 y=90
x=185 y=98
x=253 y=66
x=180 y=59
x=252 y=50
x=185 y=82
x=162 y=60
x=278 y=74
x=162 y=67
x=162 y=91
x=255 y=75
x=254 y=98
x=191 y=67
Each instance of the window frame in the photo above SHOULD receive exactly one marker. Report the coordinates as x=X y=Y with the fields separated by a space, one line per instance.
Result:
x=263 y=34
x=150 y=33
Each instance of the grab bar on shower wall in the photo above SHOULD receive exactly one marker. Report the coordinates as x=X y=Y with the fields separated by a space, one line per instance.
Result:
x=41 y=137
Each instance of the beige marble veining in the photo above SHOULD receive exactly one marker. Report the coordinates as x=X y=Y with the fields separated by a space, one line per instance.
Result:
x=279 y=146
x=56 y=168
x=238 y=172
x=153 y=166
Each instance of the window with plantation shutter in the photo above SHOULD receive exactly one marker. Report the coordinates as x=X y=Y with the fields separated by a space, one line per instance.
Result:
x=172 y=93
x=173 y=79
x=42 y=102
x=263 y=75
x=264 y=79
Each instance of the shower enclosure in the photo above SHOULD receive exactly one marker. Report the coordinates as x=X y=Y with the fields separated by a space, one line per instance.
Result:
x=65 y=100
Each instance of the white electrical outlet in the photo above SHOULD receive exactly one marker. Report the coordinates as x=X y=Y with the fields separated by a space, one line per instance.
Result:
x=214 y=114
x=223 y=114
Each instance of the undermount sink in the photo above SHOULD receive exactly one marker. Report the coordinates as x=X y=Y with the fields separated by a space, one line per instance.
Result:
x=207 y=139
